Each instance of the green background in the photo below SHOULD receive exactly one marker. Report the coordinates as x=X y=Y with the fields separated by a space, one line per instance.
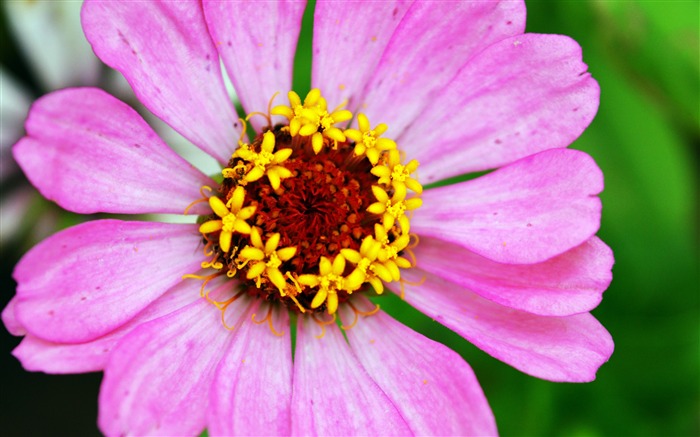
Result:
x=646 y=138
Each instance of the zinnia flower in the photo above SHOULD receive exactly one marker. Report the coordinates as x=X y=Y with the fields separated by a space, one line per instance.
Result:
x=314 y=212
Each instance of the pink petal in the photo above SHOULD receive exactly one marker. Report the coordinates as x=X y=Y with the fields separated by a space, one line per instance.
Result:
x=166 y=54
x=9 y=319
x=433 y=388
x=432 y=43
x=570 y=283
x=36 y=354
x=524 y=213
x=348 y=43
x=257 y=42
x=92 y=278
x=158 y=378
x=252 y=388
x=520 y=96
x=90 y=153
x=567 y=349
x=333 y=394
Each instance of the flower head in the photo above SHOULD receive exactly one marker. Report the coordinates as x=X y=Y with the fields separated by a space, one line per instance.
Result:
x=315 y=213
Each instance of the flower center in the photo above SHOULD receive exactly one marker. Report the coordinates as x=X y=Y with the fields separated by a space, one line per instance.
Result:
x=309 y=213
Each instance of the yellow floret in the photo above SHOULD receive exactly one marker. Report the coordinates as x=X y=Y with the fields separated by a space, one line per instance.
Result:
x=329 y=281
x=265 y=163
x=367 y=141
x=393 y=209
x=233 y=218
x=397 y=175
x=264 y=260
x=313 y=119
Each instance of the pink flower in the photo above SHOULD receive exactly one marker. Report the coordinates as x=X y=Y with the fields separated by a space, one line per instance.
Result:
x=508 y=260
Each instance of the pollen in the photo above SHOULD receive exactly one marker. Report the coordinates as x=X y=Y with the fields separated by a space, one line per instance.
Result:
x=311 y=211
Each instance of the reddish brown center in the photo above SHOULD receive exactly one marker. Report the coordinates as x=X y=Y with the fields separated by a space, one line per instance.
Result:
x=320 y=209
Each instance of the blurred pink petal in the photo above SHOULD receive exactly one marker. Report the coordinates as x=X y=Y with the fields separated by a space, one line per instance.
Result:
x=97 y=275
x=567 y=284
x=520 y=96
x=163 y=370
x=9 y=319
x=165 y=52
x=76 y=138
x=437 y=378
x=526 y=212
x=257 y=42
x=569 y=349
x=252 y=388
x=344 y=32
x=50 y=36
x=333 y=394
x=433 y=42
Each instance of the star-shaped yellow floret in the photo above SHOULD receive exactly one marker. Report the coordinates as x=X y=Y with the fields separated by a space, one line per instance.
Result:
x=393 y=209
x=293 y=111
x=265 y=259
x=388 y=255
x=312 y=118
x=367 y=269
x=233 y=218
x=397 y=175
x=329 y=281
x=367 y=141
x=265 y=163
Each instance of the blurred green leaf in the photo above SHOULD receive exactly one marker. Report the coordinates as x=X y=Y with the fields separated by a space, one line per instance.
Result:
x=656 y=44
x=303 y=58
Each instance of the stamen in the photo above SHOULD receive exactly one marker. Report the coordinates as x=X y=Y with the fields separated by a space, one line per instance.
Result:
x=268 y=318
x=323 y=324
x=414 y=243
x=267 y=116
x=367 y=141
x=243 y=131
x=357 y=312
x=207 y=249
x=223 y=306
x=297 y=287
x=204 y=198
x=413 y=260
x=354 y=322
x=206 y=280
x=371 y=312
x=404 y=282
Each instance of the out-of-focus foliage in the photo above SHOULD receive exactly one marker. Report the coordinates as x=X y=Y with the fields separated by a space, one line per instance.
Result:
x=646 y=138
